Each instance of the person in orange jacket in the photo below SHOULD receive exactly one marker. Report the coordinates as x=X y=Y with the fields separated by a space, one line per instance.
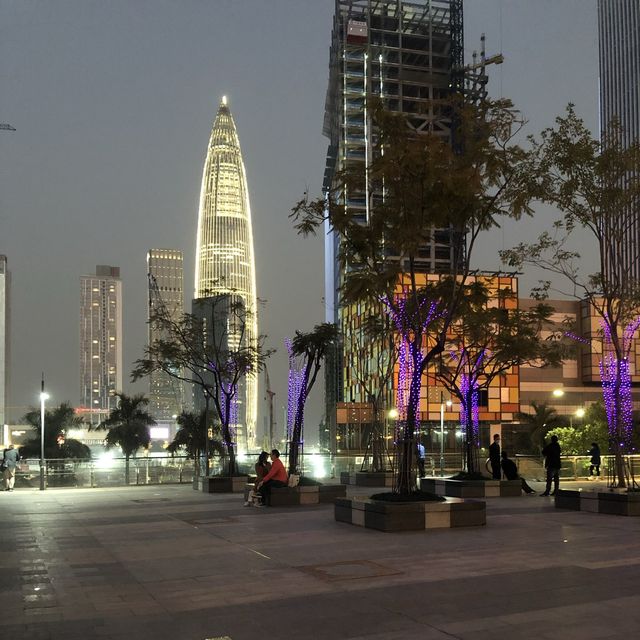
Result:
x=277 y=477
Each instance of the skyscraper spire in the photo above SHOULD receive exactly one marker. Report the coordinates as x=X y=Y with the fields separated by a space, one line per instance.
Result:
x=224 y=253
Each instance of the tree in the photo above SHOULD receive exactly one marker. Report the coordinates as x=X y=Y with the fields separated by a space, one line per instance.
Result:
x=490 y=337
x=192 y=437
x=540 y=422
x=595 y=185
x=211 y=351
x=421 y=187
x=577 y=439
x=57 y=422
x=309 y=349
x=128 y=426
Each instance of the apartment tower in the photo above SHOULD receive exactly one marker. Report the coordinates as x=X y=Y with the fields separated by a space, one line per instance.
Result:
x=166 y=293
x=100 y=342
x=619 y=38
x=224 y=253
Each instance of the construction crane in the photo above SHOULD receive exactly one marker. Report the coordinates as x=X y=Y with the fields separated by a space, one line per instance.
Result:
x=269 y=399
x=6 y=127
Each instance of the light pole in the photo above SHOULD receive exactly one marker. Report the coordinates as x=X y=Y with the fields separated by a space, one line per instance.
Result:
x=442 y=403
x=579 y=414
x=43 y=396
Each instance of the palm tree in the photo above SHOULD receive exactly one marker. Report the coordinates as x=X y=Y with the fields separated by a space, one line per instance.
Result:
x=192 y=436
x=540 y=422
x=128 y=426
x=57 y=421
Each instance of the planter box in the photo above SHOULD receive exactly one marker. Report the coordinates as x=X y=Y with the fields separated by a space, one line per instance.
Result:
x=472 y=488
x=368 y=479
x=611 y=502
x=302 y=495
x=410 y=516
x=222 y=484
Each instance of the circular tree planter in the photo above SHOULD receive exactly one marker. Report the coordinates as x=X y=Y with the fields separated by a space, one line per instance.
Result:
x=222 y=484
x=472 y=488
x=410 y=516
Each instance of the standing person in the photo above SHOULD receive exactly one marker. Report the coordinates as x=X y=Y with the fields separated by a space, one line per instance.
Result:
x=10 y=463
x=421 y=455
x=552 y=463
x=262 y=467
x=594 y=452
x=510 y=471
x=276 y=477
x=494 y=458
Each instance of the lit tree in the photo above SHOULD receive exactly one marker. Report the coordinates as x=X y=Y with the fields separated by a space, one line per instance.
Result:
x=422 y=187
x=306 y=351
x=489 y=337
x=211 y=352
x=595 y=184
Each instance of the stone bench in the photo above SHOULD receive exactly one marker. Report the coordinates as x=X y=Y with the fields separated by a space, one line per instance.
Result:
x=472 y=488
x=221 y=484
x=305 y=495
x=410 y=516
x=617 y=503
x=368 y=479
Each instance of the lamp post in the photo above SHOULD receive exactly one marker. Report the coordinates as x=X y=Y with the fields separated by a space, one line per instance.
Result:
x=579 y=414
x=442 y=403
x=43 y=396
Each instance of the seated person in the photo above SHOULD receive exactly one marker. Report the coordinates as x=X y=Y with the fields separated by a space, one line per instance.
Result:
x=276 y=477
x=262 y=467
x=511 y=472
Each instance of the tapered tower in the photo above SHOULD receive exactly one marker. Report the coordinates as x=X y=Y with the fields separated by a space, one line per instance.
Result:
x=225 y=263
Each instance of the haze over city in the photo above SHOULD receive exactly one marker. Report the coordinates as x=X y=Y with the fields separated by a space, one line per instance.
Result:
x=113 y=104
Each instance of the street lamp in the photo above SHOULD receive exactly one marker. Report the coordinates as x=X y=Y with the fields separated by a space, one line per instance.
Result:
x=558 y=393
x=442 y=404
x=43 y=396
x=579 y=414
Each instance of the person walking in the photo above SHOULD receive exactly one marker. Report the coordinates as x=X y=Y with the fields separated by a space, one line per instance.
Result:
x=494 y=458
x=510 y=471
x=421 y=457
x=552 y=464
x=10 y=464
x=594 y=452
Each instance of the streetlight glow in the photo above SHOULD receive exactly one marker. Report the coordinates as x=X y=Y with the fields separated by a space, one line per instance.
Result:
x=580 y=413
x=558 y=393
x=393 y=414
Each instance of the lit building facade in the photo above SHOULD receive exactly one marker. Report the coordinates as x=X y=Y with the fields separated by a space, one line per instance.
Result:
x=165 y=270
x=4 y=340
x=225 y=263
x=100 y=342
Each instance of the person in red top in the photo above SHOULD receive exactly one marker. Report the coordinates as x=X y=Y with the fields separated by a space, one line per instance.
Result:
x=277 y=477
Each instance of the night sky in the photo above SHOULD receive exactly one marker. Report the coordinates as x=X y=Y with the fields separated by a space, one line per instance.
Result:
x=113 y=104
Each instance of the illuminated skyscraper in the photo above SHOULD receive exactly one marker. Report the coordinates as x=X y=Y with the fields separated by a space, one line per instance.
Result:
x=166 y=289
x=100 y=341
x=4 y=339
x=619 y=39
x=224 y=254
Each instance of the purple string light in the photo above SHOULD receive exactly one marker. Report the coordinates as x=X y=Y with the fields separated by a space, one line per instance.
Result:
x=295 y=386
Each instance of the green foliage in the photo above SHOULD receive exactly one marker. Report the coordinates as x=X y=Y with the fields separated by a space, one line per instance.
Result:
x=577 y=440
x=128 y=424
x=543 y=419
x=191 y=436
x=57 y=421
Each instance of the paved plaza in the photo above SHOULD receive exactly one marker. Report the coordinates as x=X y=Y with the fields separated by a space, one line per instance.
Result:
x=156 y=563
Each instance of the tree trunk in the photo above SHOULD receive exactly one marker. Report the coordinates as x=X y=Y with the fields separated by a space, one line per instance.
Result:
x=470 y=449
x=296 y=435
x=206 y=435
x=126 y=469
x=232 y=465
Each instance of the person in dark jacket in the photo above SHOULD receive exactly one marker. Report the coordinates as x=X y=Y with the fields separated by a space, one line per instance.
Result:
x=510 y=471
x=10 y=464
x=552 y=463
x=594 y=452
x=494 y=458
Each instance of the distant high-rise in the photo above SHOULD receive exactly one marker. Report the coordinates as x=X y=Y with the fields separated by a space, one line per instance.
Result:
x=100 y=341
x=224 y=255
x=619 y=37
x=4 y=339
x=166 y=289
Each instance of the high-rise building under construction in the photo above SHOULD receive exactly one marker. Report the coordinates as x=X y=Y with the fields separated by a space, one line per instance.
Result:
x=409 y=56
x=224 y=254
